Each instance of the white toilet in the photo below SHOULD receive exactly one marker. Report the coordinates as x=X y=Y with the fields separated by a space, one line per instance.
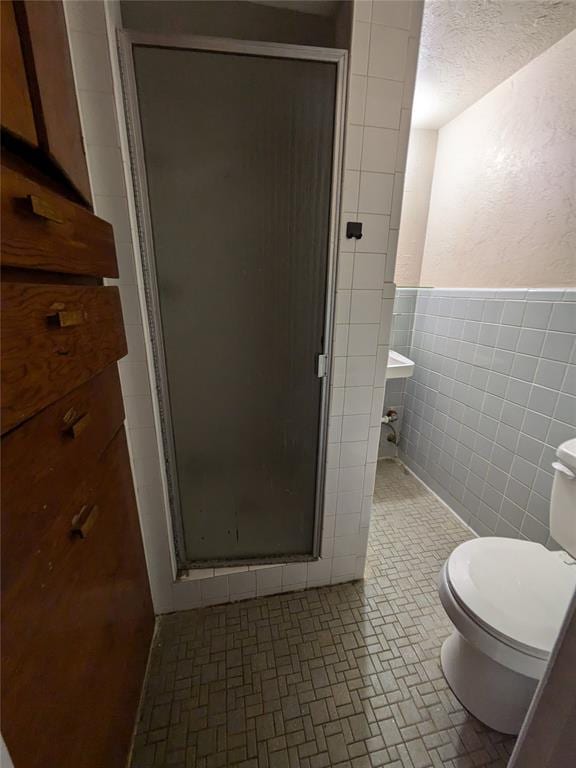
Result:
x=507 y=599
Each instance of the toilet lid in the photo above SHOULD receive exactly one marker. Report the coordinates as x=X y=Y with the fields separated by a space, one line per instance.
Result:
x=518 y=590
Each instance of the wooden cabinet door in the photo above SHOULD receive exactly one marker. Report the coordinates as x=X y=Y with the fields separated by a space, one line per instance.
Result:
x=54 y=338
x=45 y=41
x=43 y=230
x=16 y=106
x=77 y=615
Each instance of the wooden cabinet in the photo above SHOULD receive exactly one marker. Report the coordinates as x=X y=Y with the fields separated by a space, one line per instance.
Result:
x=42 y=229
x=72 y=676
x=16 y=106
x=45 y=41
x=73 y=432
x=54 y=338
x=39 y=104
x=77 y=618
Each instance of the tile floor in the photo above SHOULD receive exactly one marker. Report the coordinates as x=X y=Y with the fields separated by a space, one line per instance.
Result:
x=343 y=676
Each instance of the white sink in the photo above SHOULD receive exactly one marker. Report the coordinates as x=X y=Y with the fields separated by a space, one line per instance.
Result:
x=399 y=367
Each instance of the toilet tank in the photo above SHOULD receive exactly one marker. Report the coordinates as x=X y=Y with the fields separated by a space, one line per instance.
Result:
x=563 y=502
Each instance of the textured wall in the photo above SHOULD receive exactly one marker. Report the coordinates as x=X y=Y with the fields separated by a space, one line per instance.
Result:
x=503 y=206
x=415 y=206
x=492 y=397
x=468 y=47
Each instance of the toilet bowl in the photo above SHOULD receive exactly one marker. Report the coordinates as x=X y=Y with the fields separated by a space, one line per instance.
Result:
x=507 y=599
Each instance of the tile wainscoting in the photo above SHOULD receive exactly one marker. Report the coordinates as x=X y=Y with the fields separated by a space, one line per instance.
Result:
x=492 y=397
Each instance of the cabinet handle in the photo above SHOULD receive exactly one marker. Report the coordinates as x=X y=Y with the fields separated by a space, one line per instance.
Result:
x=84 y=521
x=43 y=210
x=68 y=318
x=76 y=429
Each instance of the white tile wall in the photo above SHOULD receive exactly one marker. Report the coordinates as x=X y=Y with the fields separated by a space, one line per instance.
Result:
x=379 y=149
x=375 y=193
x=383 y=103
x=383 y=65
x=388 y=52
x=93 y=71
x=381 y=84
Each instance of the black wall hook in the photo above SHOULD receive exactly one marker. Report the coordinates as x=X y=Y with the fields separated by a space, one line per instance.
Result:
x=354 y=229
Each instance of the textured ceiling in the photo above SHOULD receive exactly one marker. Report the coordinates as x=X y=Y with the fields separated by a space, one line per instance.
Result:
x=470 y=46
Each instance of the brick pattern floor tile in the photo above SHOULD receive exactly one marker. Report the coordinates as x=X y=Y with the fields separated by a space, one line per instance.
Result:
x=345 y=676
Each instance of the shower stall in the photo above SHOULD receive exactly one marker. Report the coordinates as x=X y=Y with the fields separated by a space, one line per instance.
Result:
x=236 y=154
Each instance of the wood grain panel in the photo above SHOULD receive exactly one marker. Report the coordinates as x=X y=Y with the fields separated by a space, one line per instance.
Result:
x=77 y=619
x=54 y=338
x=16 y=107
x=73 y=433
x=59 y=237
x=45 y=41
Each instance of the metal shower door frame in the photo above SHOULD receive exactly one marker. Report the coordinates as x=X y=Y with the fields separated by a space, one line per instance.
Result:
x=127 y=40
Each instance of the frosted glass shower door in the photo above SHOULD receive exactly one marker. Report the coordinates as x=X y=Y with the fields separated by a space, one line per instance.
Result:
x=238 y=153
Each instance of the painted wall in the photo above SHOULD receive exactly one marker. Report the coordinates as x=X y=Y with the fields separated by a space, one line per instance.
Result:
x=383 y=66
x=503 y=205
x=492 y=397
x=415 y=206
